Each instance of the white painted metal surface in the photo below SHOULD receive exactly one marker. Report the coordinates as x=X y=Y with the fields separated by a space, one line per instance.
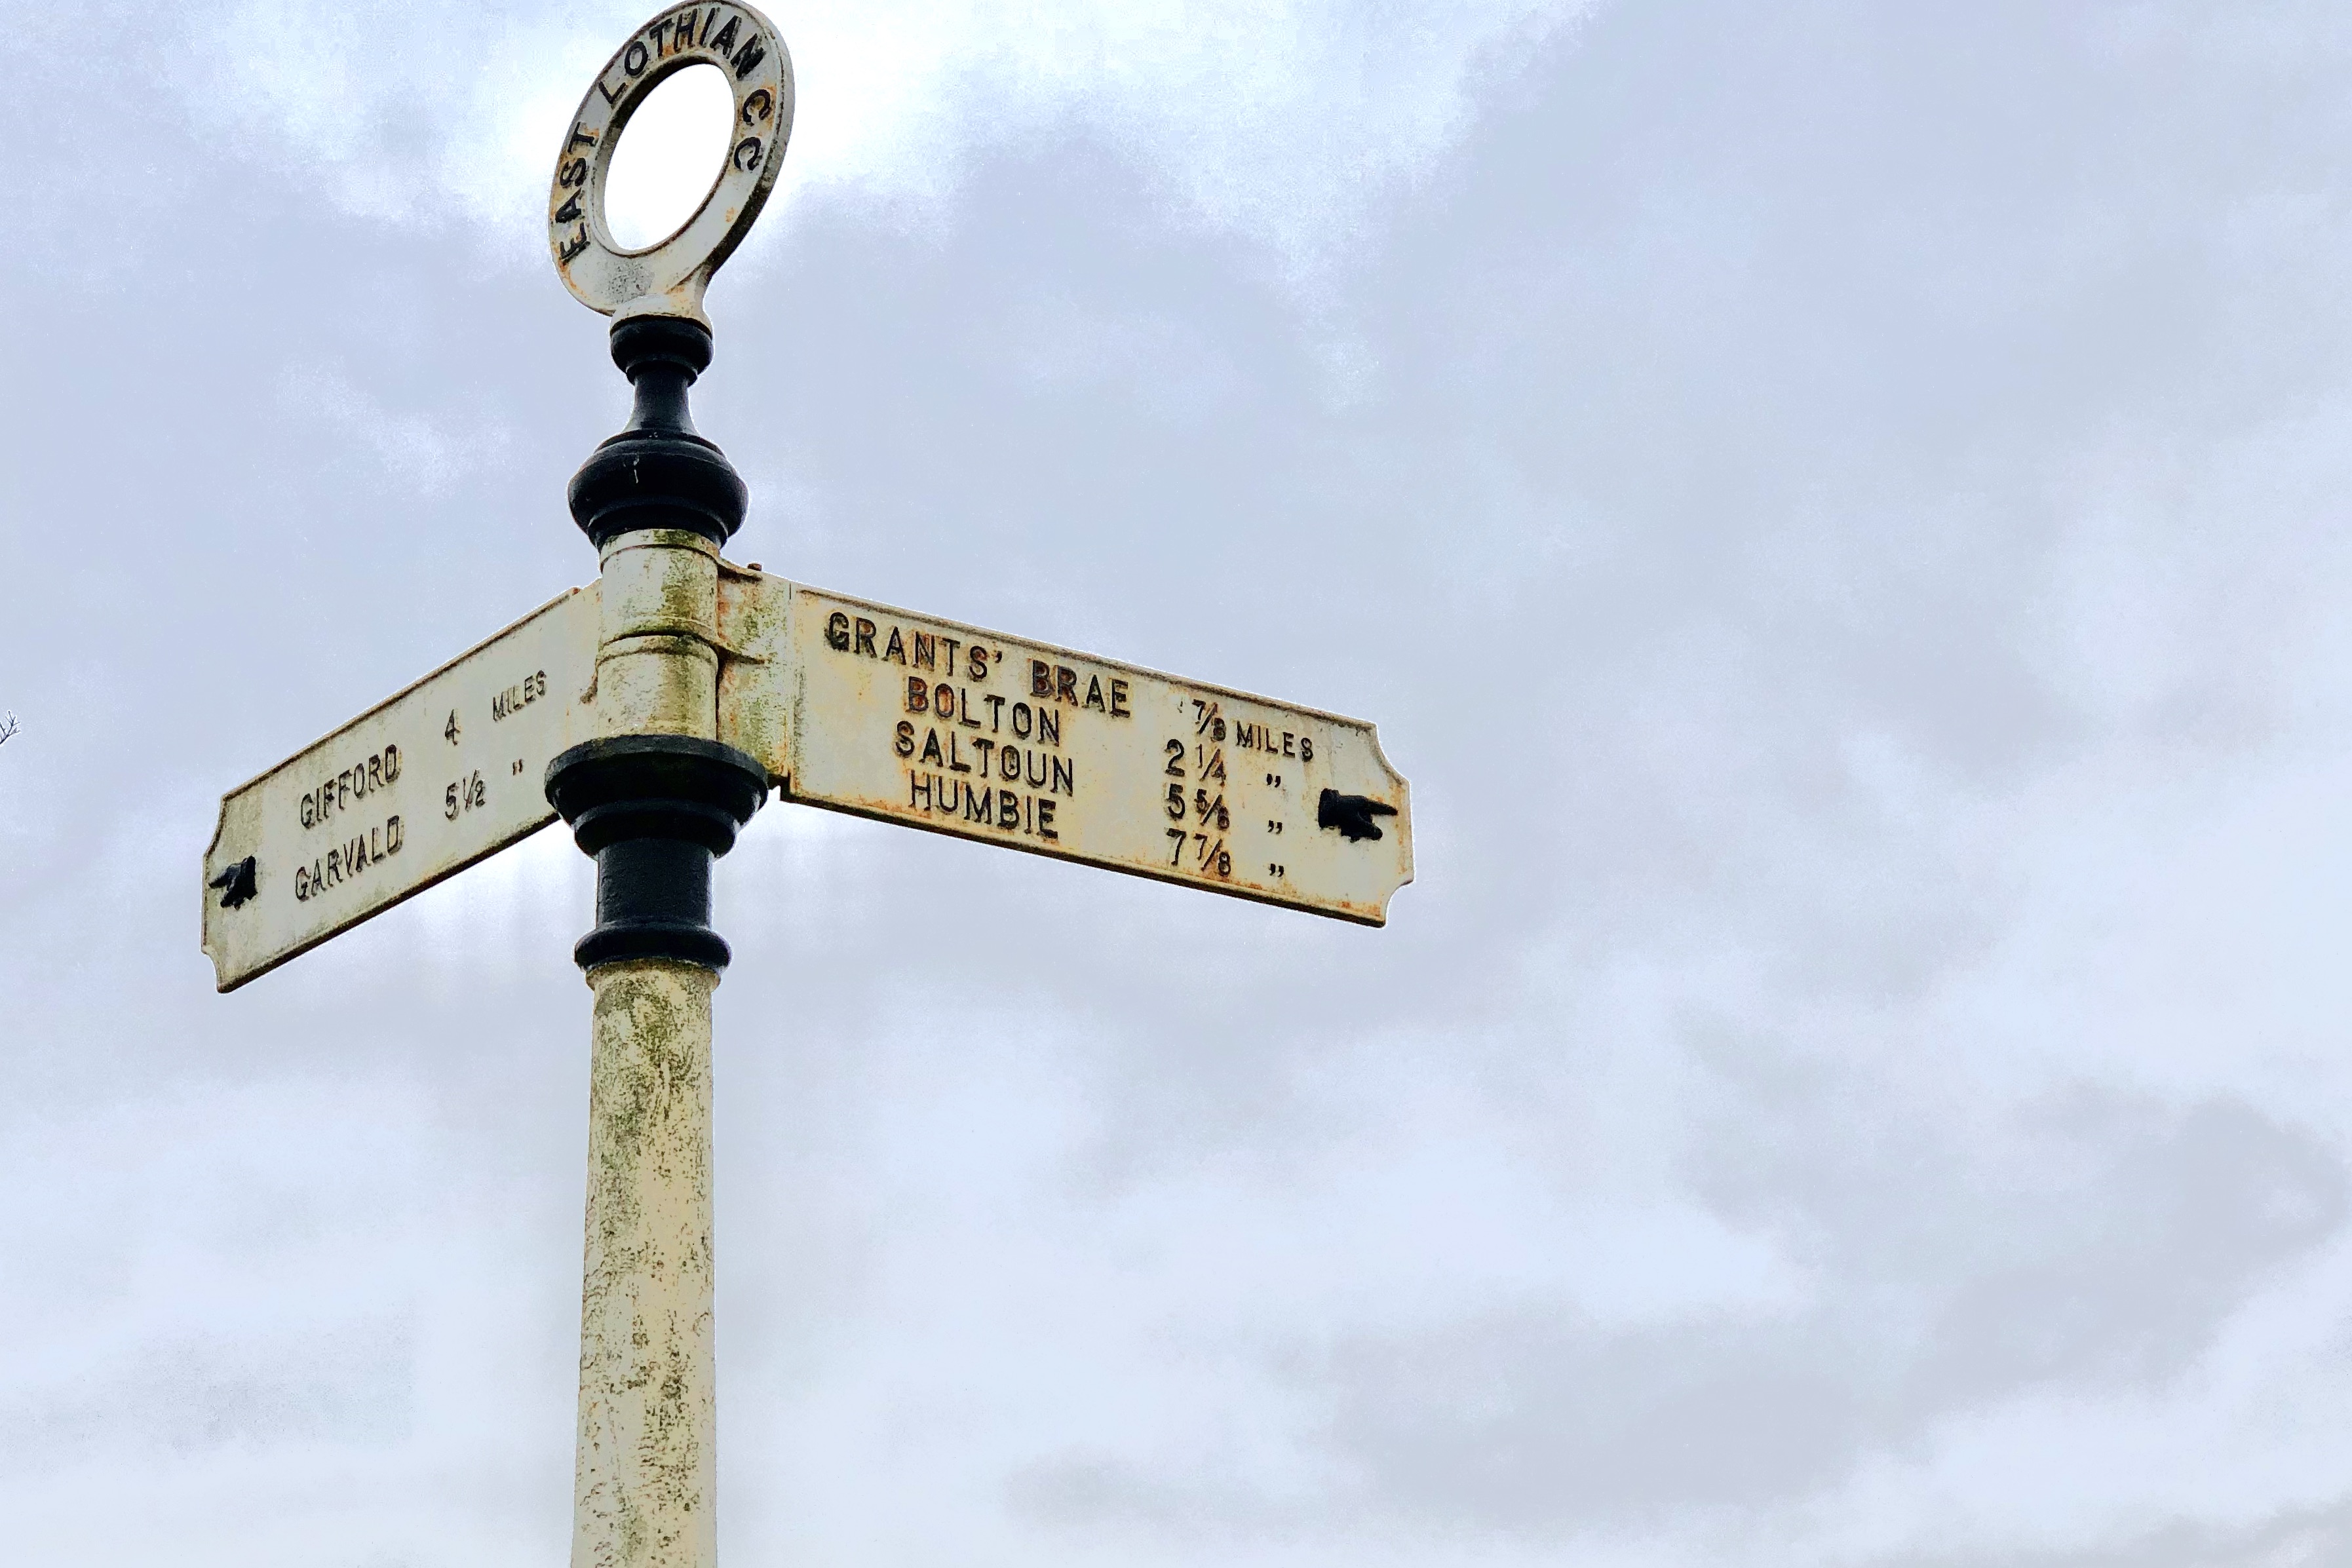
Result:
x=446 y=772
x=909 y=718
x=643 y=1489
x=657 y=661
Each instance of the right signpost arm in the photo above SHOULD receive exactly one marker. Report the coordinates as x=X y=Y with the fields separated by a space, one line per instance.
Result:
x=930 y=722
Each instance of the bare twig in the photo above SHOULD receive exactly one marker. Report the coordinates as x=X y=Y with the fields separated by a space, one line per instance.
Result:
x=7 y=729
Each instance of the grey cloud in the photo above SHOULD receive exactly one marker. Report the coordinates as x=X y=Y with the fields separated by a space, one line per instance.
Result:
x=1835 y=511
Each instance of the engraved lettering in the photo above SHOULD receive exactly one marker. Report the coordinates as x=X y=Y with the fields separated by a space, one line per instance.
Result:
x=1119 y=699
x=529 y=690
x=905 y=744
x=464 y=795
x=1049 y=726
x=1041 y=678
x=943 y=700
x=927 y=651
x=931 y=748
x=335 y=792
x=1065 y=685
x=1046 y=820
x=865 y=637
x=919 y=696
x=1021 y=720
x=895 y=649
x=837 y=631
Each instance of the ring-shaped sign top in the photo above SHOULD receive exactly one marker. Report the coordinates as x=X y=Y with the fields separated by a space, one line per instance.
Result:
x=669 y=278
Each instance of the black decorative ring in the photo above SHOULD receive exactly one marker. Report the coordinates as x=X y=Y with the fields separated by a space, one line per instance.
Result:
x=655 y=810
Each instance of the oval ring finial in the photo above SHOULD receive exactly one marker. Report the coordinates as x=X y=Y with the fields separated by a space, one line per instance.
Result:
x=669 y=278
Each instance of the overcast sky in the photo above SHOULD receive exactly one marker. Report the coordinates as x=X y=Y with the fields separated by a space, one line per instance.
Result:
x=1837 y=507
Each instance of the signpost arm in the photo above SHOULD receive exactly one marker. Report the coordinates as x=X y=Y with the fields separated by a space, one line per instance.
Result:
x=655 y=798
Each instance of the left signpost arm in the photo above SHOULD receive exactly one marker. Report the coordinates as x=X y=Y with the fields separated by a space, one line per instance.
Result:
x=423 y=785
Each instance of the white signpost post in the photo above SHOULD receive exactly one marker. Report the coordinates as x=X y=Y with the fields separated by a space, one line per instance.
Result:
x=655 y=708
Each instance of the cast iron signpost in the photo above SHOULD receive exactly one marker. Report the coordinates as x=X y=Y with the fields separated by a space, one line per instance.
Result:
x=656 y=708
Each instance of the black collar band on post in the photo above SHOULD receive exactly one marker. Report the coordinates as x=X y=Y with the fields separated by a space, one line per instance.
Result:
x=654 y=811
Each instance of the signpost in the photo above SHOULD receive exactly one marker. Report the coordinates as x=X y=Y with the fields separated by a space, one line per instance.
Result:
x=653 y=710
